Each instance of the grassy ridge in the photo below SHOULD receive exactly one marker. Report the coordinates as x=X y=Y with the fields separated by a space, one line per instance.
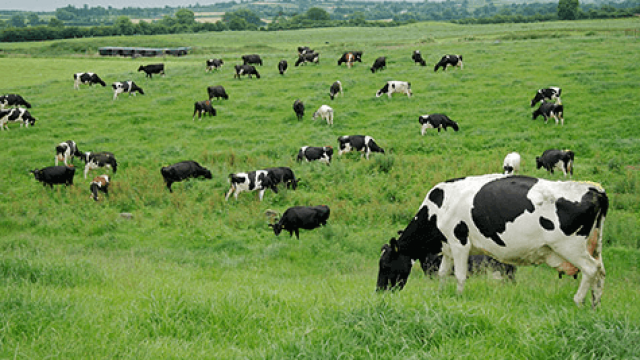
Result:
x=191 y=276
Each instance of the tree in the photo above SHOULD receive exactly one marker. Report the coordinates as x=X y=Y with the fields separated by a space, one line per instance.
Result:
x=317 y=14
x=185 y=17
x=34 y=20
x=568 y=9
x=17 y=21
x=56 y=23
x=124 y=25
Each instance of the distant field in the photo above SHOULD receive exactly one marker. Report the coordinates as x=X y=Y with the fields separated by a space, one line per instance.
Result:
x=191 y=276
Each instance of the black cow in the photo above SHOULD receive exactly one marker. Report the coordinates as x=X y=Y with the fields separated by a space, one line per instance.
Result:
x=13 y=100
x=298 y=107
x=379 y=64
x=449 y=60
x=436 y=121
x=282 y=66
x=200 y=107
x=549 y=109
x=252 y=59
x=551 y=93
x=183 y=170
x=217 y=92
x=214 y=64
x=335 y=88
x=65 y=151
x=246 y=70
x=125 y=87
x=152 y=69
x=301 y=217
x=87 y=78
x=554 y=158
x=55 y=175
x=304 y=50
x=98 y=160
x=417 y=58
x=250 y=181
x=99 y=183
x=308 y=57
x=364 y=143
x=16 y=115
x=356 y=54
x=284 y=175
x=313 y=153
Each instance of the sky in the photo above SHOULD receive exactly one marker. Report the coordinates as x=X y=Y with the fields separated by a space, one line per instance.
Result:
x=51 y=5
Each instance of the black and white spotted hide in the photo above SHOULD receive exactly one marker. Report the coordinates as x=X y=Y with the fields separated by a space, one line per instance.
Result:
x=99 y=183
x=13 y=100
x=436 y=121
x=260 y=180
x=98 y=160
x=556 y=159
x=417 y=58
x=126 y=87
x=66 y=151
x=551 y=93
x=449 y=60
x=87 y=78
x=16 y=115
x=363 y=143
x=549 y=109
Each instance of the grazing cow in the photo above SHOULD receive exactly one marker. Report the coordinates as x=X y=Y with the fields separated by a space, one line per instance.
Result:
x=549 y=109
x=436 y=121
x=16 y=115
x=65 y=151
x=55 y=175
x=201 y=107
x=13 y=100
x=246 y=70
x=313 y=153
x=312 y=57
x=511 y=163
x=282 y=66
x=87 y=78
x=125 y=87
x=217 y=92
x=97 y=160
x=183 y=170
x=251 y=59
x=417 y=58
x=304 y=50
x=350 y=59
x=362 y=143
x=301 y=217
x=517 y=220
x=551 y=93
x=152 y=69
x=254 y=180
x=379 y=64
x=284 y=175
x=554 y=158
x=449 y=60
x=298 y=107
x=214 y=64
x=326 y=113
x=99 y=183
x=335 y=88
x=356 y=54
x=395 y=87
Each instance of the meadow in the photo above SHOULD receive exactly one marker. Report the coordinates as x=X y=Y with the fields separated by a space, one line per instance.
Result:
x=190 y=276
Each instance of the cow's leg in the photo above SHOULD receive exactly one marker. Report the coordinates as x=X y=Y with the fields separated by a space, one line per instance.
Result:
x=460 y=267
x=169 y=186
x=86 y=170
x=297 y=231
x=445 y=269
x=590 y=268
x=261 y=194
x=229 y=194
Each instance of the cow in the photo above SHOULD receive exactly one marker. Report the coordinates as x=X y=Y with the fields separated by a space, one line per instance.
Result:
x=511 y=163
x=250 y=181
x=87 y=78
x=55 y=175
x=213 y=64
x=335 y=88
x=313 y=153
x=363 y=143
x=554 y=158
x=552 y=93
x=356 y=54
x=66 y=151
x=183 y=170
x=99 y=183
x=436 y=121
x=395 y=87
x=282 y=66
x=217 y=92
x=379 y=64
x=125 y=87
x=13 y=100
x=284 y=175
x=549 y=109
x=312 y=57
x=246 y=70
x=417 y=58
x=449 y=60
x=301 y=217
x=201 y=107
x=304 y=50
x=251 y=59
x=94 y=160
x=350 y=59
x=298 y=107
x=152 y=69
x=16 y=115
x=326 y=113
x=517 y=220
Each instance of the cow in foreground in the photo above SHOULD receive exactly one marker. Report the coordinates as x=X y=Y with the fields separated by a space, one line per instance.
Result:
x=260 y=180
x=363 y=143
x=248 y=70
x=436 y=121
x=551 y=93
x=251 y=59
x=94 y=160
x=335 y=89
x=301 y=217
x=152 y=69
x=99 y=183
x=126 y=87
x=18 y=115
x=298 y=108
x=379 y=64
x=511 y=163
x=315 y=153
x=54 y=175
x=449 y=60
x=283 y=175
x=391 y=87
x=87 y=78
x=549 y=109
x=417 y=58
x=282 y=66
x=13 y=100
x=66 y=151
x=326 y=113
x=217 y=92
x=203 y=107
x=556 y=159
x=213 y=64
x=183 y=170
x=516 y=220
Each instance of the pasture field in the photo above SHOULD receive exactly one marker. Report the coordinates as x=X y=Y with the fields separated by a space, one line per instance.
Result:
x=191 y=276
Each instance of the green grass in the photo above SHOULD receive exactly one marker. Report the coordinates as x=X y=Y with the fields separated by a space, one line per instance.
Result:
x=192 y=276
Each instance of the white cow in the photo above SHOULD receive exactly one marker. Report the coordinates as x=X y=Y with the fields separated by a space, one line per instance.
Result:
x=511 y=163
x=326 y=113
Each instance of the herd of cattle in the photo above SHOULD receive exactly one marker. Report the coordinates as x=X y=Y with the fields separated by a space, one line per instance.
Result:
x=515 y=219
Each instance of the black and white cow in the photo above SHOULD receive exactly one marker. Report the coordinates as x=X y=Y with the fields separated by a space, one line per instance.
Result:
x=516 y=220
x=335 y=88
x=87 y=78
x=18 y=115
x=94 y=160
x=417 y=58
x=246 y=70
x=214 y=64
x=379 y=64
x=315 y=153
x=99 y=183
x=65 y=151
x=304 y=50
x=152 y=69
x=363 y=143
x=250 y=181
x=217 y=92
x=395 y=87
x=511 y=163
x=285 y=176
x=305 y=58
x=282 y=66
x=554 y=158
x=436 y=121
x=13 y=100
x=200 y=107
x=252 y=59
x=125 y=87
x=449 y=60
x=551 y=93
x=549 y=109
x=349 y=59
x=298 y=108
x=182 y=171
x=301 y=217
x=53 y=175
x=357 y=56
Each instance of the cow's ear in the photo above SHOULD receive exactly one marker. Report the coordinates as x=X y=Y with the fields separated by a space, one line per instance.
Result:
x=394 y=245
x=272 y=225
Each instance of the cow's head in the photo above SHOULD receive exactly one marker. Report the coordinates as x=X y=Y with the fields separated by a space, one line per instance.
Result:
x=28 y=119
x=536 y=99
x=535 y=114
x=394 y=267
x=538 y=162
x=37 y=173
x=141 y=68
x=206 y=173
x=277 y=227
x=384 y=90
